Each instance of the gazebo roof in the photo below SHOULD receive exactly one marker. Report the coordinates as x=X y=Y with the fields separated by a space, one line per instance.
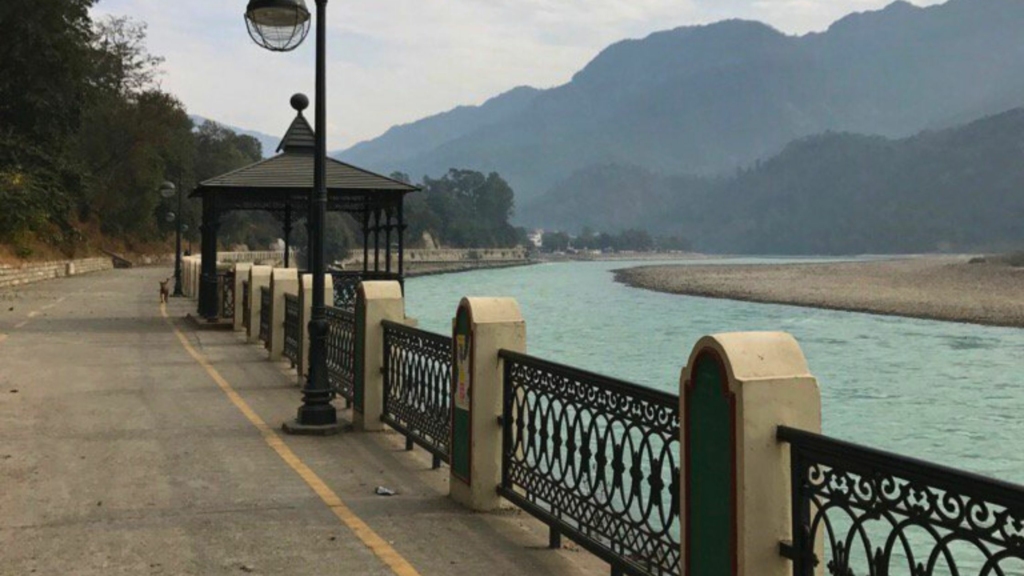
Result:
x=287 y=178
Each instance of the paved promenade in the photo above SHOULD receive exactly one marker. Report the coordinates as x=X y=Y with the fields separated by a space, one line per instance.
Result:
x=134 y=443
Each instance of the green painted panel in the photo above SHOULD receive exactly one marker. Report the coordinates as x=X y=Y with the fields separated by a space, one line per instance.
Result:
x=462 y=434
x=710 y=474
x=359 y=371
x=460 y=448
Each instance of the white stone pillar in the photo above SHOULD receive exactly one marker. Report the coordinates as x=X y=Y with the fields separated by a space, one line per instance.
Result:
x=376 y=301
x=735 y=391
x=282 y=281
x=259 y=276
x=305 y=311
x=482 y=327
x=241 y=277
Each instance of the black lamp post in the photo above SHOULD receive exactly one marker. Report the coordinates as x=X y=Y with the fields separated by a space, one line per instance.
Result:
x=167 y=190
x=281 y=25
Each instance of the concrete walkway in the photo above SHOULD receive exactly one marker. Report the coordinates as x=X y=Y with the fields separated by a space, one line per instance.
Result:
x=121 y=454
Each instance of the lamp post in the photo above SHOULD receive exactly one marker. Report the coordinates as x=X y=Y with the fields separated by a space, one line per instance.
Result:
x=167 y=190
x=280 y=26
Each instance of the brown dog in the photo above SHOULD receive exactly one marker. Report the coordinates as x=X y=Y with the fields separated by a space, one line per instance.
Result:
x=164 y=290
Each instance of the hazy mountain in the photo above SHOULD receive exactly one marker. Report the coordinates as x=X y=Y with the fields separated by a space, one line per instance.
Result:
x=954 y=189
x=268 y=142
x=409 y=140
x=708 y=99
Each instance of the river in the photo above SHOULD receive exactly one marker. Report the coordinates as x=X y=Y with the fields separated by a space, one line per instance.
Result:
x=945 y=392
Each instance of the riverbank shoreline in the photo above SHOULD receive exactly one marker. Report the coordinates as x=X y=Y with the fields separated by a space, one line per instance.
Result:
x=946 y=288
x=416 y=272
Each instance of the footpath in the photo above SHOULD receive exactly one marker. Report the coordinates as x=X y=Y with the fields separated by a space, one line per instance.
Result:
x=131 y=443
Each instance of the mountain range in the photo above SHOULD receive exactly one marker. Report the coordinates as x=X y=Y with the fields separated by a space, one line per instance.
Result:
x=958 y=189
x=705 y=101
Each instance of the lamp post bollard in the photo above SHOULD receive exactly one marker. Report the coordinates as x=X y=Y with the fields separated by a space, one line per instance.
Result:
x=281 y=25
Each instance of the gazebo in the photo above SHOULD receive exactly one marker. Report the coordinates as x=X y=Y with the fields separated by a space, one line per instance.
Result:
x=281 y=185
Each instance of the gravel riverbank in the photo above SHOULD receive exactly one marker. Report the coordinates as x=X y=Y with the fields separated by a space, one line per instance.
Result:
x=940 y=288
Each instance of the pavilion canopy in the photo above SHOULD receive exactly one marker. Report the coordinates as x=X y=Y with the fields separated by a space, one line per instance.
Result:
x=282 y=186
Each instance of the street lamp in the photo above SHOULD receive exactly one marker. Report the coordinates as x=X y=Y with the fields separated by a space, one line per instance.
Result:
x=167 y=190
x=280 y=26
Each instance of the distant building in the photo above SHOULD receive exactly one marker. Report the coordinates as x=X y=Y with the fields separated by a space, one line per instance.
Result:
x=536 y=237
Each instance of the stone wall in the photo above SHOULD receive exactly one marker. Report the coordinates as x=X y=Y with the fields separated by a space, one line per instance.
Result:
x=427 y=261
x=37 y=271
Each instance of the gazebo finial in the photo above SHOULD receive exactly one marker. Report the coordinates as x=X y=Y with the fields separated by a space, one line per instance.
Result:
x=299 y=102
x=299 y=137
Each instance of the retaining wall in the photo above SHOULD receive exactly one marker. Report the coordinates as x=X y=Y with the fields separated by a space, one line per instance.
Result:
x=38 y=271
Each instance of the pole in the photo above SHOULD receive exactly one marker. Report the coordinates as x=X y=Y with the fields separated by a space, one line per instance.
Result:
x=177 y=248
x=317 y=415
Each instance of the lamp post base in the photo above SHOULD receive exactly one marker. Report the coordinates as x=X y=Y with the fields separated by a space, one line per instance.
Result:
x=297 y=429
x=315 y=420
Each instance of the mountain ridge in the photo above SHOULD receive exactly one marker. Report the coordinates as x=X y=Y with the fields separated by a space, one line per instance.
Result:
x=709 y=99
x=831 y=193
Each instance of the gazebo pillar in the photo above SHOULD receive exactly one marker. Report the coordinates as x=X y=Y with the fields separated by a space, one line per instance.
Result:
x=366 y=238
x=287 y=235
x=401 y=242
x=208 y=277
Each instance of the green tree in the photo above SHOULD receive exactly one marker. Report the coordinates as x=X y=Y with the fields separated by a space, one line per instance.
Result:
x=465 y=208
x=555 y=242
x=44 y=68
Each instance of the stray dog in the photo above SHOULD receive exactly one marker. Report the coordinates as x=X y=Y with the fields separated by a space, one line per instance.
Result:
x=164 y=290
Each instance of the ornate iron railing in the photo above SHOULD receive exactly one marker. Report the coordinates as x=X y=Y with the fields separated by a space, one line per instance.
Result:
x=341 y=351
x=226 y=283
x=346 y=285
x=292 y=328
x=417 y=387
x=878 y=513
x=246 y=305
x=265 y=315
x=595 y=458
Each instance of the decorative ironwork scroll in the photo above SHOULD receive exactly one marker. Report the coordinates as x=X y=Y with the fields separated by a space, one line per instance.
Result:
x=292 y=329
x=877 y=513
x=246 y=305
x=417 y=387
x=341 y=351
x=265 y=316
x=595 y=458
x=346 y=285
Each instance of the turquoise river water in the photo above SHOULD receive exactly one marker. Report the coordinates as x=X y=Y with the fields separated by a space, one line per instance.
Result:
x=946 y=392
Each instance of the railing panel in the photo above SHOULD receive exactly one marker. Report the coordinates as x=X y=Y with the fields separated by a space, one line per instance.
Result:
x=595 y=458
x=346 y=285
x=246 y=305
x=341 y=351
x=417 y=386
x=226 y=286
x=292 y=328
x=265 y=315
x=881 y=513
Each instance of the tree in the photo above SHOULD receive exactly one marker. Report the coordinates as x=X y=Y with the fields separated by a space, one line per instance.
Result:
x=555 y=242
x=463 y=208
x=121 y=64
x=44 y=66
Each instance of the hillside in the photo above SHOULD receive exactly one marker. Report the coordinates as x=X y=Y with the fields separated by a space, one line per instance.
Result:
x=708 y=99
x=267 y=142
x=957 y=189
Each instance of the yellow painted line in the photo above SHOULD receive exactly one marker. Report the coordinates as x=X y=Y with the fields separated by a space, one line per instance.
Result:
x=380 y=547
x=33 y=314
x=20 y=324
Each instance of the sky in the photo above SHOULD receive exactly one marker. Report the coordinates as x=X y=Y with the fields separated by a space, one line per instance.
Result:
x=395 y=61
